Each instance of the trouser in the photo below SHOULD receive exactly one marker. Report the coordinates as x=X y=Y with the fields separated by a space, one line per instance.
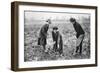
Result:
x=79 y=48
x=42 y=42
x=44 y=47
x=60 y=51
x=79 y=43
x=55 y=47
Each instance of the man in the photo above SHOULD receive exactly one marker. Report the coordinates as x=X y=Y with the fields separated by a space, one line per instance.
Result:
x=79 y=34
x=43 y=34
x=57 y=39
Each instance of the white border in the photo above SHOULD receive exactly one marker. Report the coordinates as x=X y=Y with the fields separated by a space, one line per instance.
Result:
x=33 y=64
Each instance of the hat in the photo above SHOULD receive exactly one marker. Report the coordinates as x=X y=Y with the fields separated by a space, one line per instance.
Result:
x=48 y=20
x=55 y=28
x=72 y=19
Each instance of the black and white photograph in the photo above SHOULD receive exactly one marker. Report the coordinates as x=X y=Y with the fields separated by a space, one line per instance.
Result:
x=56 y=35
x=53 y=36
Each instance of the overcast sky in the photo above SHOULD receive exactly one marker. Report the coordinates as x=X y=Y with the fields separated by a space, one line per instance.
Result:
x=31 y=15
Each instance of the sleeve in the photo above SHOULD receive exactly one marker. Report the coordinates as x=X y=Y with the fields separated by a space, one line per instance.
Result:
x=81 y=30
x=53 y=35
x=43 y=31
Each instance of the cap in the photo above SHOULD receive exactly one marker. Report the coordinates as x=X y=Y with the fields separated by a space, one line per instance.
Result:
x=72 y=19
x=55 y=28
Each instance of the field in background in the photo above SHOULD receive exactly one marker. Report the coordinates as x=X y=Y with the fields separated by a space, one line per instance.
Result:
x=32 y=52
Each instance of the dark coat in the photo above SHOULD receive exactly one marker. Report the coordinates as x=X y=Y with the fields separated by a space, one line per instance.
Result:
x=43 y=35
x=57 y=38
x=79 y=30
